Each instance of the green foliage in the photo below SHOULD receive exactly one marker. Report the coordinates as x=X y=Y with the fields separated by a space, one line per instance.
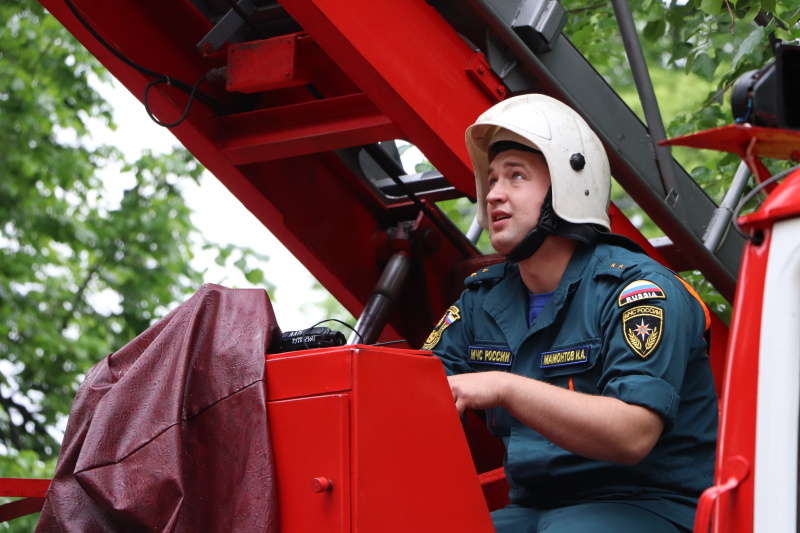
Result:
x=695 y=51
x=81 y=271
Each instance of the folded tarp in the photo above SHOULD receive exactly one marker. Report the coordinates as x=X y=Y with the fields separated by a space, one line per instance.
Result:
x=170 y=433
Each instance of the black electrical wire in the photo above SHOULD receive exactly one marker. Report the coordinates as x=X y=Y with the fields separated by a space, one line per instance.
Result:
x=192 y=90
x=749 y=196
x=185 y=111
x=307 y=330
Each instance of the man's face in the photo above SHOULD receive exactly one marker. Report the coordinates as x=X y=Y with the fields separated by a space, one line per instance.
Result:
x=517 y=182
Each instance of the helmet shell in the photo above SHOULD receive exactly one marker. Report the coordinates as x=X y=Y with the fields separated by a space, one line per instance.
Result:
x=580 y=195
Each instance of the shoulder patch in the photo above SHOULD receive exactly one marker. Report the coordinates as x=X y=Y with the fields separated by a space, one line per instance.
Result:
x=642 y=327
x=452 y=314
x=641 y=289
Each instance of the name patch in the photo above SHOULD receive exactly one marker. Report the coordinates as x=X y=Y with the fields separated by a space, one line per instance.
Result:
x=641 y=289
x=565 y=357
x=490 y=356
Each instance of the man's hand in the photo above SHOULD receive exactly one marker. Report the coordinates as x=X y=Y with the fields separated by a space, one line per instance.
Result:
x=480 y=390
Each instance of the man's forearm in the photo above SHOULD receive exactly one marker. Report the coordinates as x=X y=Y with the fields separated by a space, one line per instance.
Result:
x=597 y=427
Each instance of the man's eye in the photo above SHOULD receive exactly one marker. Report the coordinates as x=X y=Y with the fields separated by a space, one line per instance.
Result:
x=492 y=182
x=517 y=176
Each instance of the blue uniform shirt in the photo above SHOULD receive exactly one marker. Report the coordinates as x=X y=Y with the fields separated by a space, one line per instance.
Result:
x=619 y=325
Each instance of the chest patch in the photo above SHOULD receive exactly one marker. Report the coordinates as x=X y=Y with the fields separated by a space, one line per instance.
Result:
x=641 y=289
x=490 y=356
x=453 y=314
x=572 y=356
x=642 y=327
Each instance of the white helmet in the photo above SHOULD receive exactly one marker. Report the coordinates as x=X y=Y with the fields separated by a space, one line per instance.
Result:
x=579 y=169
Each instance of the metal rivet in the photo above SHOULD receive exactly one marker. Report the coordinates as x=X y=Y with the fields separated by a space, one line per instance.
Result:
x=586 y=192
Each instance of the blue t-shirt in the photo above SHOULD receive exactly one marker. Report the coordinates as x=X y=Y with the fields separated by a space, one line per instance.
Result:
x=536 y=303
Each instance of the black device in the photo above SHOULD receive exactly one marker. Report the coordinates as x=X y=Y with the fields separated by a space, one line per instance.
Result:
x=305 y=339
x=771 y=96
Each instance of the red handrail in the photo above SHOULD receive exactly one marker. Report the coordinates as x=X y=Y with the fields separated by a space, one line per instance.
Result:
x=738 y=469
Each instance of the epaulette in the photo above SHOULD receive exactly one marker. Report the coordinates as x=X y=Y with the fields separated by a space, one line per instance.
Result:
x=491 y=273
x=614 y=260
x=614 y=267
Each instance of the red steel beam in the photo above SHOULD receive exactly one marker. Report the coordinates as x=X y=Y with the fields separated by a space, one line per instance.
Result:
x=18 y=508
x=31 y=490
x=412 y=64
x=12 y=487
x=302 y=129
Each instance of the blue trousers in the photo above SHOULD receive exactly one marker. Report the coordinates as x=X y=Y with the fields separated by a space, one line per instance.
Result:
x=591 y=517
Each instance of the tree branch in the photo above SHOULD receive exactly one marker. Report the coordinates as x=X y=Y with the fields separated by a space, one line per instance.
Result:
x=80 y=292
x=14 y=435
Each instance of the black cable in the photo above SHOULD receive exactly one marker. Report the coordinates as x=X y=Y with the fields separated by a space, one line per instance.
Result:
x=389 y=342
x=749 y=196
x=340 y=322
x=185 y=111
x=353 y=330
x=191 y=90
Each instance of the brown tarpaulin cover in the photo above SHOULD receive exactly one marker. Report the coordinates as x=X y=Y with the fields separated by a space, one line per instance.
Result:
x=170 y=433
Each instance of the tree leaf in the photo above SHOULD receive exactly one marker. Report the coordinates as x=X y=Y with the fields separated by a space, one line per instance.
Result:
x=755 y=39
x=254 y=276
x=704 y=65
x=769 y=5
x=654 y=29
x=712 y=7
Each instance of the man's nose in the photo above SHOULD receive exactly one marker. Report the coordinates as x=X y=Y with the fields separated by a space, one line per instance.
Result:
x=497 y=193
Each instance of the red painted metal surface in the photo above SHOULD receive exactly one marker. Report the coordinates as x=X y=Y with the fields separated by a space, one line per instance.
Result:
x=32 y=492
x=18 y=508
x=479 y=71
x=730 y=501
x=303 y=128
x=749 y=142
x=11 y=487
x=740 y=393
x=736 y=470
x=269 y=64
x=391 y=445
x=736 y=138
x=395 y=66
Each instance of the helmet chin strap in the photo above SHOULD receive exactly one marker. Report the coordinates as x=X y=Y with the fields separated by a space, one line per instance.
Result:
x=551 y=224
x=545 y=227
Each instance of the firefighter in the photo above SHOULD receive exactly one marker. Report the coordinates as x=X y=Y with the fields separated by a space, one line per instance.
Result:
x=588 y=357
